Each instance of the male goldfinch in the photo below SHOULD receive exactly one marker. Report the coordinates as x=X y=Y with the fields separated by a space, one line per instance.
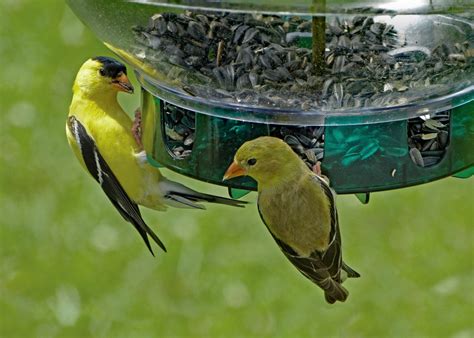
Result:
x=299 y=210
x=100 y=134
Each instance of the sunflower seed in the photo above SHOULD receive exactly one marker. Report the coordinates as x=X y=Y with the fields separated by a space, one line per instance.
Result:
x=433 y=124
x=173 y=134
x=416 y=157
x=243 y=82
x=370 y=59
x=432 y=144
x=429 y=136
x=410 y=53
x=443 y=138
x=249 y=35
x=430 y=160
x=310 y=155
x=159 y=23
x=196 y=31
x=189 y=140
x=172 y=28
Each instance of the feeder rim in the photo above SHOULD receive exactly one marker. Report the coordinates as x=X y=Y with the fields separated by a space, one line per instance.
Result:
x=352 y=116
x=311 y=7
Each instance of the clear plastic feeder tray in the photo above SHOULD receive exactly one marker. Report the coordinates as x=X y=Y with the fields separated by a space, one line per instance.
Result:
x=381 y=92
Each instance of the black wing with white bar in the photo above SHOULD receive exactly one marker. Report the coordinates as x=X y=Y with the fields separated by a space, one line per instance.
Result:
x=102 y=173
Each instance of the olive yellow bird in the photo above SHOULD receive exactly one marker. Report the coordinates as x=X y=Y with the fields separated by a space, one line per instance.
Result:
x=299 y=210
x=100 y=134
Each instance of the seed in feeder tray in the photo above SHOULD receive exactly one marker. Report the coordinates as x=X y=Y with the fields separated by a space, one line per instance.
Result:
x=443 y=138
x=173 y=134
x=189 y=140
x=428 y=138
x=307 y=142
x=416 y=157
x=179 y=129
x=433 y=124
x=368 y=59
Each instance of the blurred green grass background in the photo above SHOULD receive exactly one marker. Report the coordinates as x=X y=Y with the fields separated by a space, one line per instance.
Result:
x=71 y=267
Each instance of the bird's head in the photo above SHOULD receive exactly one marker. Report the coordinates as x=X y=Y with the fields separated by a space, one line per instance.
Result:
x=265 y=159
x=102 y=75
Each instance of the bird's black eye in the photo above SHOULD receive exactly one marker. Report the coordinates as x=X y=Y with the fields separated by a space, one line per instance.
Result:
x=102 y=72
x=251 y=161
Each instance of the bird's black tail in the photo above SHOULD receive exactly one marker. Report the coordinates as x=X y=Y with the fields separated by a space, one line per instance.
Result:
x=200 y=197
x=178 y=194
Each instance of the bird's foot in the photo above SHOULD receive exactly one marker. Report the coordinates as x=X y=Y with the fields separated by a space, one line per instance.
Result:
x=141 y=158
x=317 y=170
x=137 y=128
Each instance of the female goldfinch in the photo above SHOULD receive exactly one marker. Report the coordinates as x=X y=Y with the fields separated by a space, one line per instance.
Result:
x=299 y=210
x=100 y=134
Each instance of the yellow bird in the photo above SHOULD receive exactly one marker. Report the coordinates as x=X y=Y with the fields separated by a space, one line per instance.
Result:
x=100 y=134
x=299 y=210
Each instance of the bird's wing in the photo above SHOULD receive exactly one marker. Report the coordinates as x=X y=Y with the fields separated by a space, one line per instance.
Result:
x=323 y=268
x=100 y=170
x=314 y=268
x=332 y=257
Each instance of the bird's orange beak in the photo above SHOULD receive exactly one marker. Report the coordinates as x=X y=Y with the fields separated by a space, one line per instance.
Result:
x=234 y=170
x=122 y=83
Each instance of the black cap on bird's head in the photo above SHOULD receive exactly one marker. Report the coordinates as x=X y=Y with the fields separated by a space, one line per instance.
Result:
x=116 y=71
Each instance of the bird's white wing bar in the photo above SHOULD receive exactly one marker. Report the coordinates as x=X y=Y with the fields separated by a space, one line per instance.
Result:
x=100 y=170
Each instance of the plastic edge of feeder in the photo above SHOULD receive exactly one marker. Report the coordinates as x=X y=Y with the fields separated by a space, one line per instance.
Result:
x=307 y=7
x=281 y=116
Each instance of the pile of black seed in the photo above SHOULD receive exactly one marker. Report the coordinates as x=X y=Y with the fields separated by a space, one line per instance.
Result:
x=428 y=138
x=266 y=60
x=307 y=142
x=179 y=129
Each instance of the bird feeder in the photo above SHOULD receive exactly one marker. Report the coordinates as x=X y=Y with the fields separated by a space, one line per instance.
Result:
x=380 y=92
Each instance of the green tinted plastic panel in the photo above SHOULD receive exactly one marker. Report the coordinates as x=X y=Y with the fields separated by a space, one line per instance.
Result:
x=357 y=159
x=465 y=173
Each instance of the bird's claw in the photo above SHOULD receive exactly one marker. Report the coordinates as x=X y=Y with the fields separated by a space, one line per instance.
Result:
x=141 y=157
x=317 y=170
x=137 y=128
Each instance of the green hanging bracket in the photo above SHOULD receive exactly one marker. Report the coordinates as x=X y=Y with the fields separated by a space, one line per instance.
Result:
x=466 y=173
x=236 y=193
x=153 y=162
x=363 y=197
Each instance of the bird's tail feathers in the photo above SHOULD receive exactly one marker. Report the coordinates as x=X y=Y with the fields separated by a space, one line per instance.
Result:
x=177 y=194
x=351 y=273
x=334 y=291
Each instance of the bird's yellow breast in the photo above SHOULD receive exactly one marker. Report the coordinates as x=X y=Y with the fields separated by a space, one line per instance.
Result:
x=110 y=127
x=298 y=214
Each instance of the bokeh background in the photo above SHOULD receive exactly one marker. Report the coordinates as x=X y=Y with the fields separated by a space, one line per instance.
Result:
x=71 y=267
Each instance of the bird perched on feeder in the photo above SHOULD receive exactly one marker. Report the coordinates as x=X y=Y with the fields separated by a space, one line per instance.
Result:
x=100 y=134
x=298 y=208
